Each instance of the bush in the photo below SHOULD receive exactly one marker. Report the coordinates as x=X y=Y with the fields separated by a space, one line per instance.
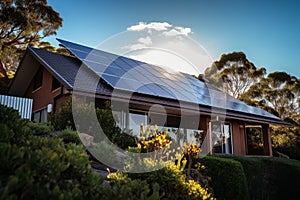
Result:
x=124 y=187
x=69 y=136
x=173 y=183
x=271 y=178
x=40 y=129
x=228 y=178
x=42 y=168
x=64 y=119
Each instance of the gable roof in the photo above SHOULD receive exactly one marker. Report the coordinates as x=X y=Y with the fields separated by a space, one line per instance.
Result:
x=144 y=82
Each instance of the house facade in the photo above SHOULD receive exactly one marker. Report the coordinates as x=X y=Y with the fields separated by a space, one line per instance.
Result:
x=144 y=94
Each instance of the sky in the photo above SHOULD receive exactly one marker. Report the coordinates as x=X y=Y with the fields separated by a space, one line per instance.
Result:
x=268 y=32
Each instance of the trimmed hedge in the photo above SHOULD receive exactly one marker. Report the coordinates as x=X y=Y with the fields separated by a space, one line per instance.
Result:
x=271 y=178
x=228 y=178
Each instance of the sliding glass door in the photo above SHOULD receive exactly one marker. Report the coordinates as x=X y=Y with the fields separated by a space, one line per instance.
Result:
x=221 y=137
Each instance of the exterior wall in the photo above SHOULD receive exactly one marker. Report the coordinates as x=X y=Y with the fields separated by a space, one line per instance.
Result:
x=267 y=140
x=44 y=95
x=238 y=139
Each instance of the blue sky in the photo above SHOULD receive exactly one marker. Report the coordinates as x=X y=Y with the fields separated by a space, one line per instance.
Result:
x=267 y=31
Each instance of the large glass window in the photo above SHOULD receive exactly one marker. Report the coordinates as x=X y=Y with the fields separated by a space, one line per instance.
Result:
x=221 y=137
x=38 y=79
x=40 y=116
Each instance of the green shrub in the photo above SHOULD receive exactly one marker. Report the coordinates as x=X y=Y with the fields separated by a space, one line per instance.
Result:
x=271 y=178
x=228 y=178
x=11 y=118
x=64 y=119
x=124 y=187
x=173 y=183
x=42 y=168
x=42 y=128
x=69 y=136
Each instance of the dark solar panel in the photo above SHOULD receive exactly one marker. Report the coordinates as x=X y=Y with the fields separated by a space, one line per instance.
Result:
x=135 y=76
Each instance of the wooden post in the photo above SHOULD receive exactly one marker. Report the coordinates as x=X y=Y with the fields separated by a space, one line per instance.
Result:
x=267 y=140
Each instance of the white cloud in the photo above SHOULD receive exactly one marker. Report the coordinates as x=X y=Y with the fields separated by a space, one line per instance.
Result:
x=177 y=31
x=134 y=47
x=146 y=40
x=163 y=27
x=142 y=42
x=158 y=26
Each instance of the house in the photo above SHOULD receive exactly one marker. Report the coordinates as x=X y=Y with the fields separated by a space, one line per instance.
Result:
x=144 y=94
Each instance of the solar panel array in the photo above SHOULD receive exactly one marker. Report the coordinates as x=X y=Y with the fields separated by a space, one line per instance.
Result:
x=135 y=76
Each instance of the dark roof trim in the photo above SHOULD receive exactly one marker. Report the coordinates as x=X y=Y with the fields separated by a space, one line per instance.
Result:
x=50 y=69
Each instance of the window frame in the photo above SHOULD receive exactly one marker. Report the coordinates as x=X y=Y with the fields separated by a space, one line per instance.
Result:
x=38 y=79
x=55 y=84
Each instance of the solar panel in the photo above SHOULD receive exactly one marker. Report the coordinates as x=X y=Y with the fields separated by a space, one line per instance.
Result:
x=135 y=76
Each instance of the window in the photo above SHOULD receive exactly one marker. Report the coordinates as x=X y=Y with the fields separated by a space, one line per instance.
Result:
x=135 y=122
x=38 y=79
x=254 y=140
x=55 y=83
x=40 y=116
x=121 y=119
x=221 y=137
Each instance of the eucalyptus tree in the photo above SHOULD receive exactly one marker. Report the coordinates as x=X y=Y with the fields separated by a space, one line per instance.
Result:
x=233 y=73
x=22 y=23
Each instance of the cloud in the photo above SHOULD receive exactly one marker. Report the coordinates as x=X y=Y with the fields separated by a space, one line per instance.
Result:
x=142 y=42
x=164 y=27
x=158 y=26
x=146 y=40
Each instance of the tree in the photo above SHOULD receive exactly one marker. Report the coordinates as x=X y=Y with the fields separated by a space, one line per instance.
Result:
x=233 y=73
x=23 y=22
x=279 y=92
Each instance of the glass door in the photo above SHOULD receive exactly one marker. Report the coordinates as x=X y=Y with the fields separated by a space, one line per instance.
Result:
x=221 y=137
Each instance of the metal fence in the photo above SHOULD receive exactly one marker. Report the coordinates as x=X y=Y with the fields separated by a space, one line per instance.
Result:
x=23 y=105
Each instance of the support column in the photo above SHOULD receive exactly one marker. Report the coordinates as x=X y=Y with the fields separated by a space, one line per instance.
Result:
x=267 y=140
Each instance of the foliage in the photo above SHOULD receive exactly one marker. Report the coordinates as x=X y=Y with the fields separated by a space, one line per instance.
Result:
x=46 y=168
x=105 y=151
x=64 y=119
x=228 y=178
x=172 y=179
x=286 y=140
x=279 y=92
x=271 y=178
x=124 y=187
x=22 y=23
x=173 y=183
x=41 y=168
x=233 y=73
x=42 y=128
x=69 y=136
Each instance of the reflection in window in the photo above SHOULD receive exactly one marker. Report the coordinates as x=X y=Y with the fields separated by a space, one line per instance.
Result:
x=254 y=139
x=221 y=137
x=135 y=122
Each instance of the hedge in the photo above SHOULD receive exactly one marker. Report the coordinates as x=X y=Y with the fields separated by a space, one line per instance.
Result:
x=271 y=178
x=228 y=178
